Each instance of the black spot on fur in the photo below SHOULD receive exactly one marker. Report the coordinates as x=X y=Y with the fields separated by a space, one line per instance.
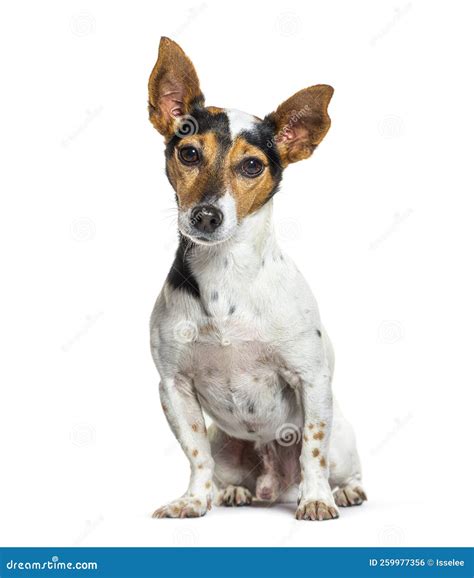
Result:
x=251 y=407
x=214 y=296
x=231 y=309
x=318 y=332
x=180 y=276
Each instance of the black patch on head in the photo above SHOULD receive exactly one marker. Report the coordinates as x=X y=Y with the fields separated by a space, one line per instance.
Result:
x=180 y=276
x=263 y=137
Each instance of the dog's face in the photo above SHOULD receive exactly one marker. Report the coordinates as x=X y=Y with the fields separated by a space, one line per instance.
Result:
x=224 y=164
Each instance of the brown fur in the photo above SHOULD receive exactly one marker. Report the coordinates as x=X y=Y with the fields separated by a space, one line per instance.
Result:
x=172 y=88
x=302 y=122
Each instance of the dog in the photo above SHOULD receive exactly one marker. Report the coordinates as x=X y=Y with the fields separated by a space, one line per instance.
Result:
x=235 y=331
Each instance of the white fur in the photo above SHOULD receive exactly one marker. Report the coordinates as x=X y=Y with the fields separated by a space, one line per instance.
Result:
x=249 y=353
x=239 y=121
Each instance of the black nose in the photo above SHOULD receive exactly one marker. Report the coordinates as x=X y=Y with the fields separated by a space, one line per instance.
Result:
x=206 y=218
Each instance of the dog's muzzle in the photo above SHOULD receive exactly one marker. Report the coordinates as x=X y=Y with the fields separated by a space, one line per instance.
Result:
x=206 y=218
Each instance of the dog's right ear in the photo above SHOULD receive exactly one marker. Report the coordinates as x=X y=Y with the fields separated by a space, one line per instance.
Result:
x=173 y=88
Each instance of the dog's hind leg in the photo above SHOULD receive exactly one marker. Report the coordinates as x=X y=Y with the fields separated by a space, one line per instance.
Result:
x=345 y=476
x=236 y=468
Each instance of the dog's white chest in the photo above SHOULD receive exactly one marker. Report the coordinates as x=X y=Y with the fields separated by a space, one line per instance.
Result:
x=239 y=385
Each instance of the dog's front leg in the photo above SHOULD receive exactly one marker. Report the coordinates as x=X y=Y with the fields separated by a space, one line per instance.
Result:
x=184 y=415
x=316 y=501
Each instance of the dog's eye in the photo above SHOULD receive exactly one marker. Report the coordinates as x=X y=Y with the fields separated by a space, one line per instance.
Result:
x=252 y=167
x=189 y=155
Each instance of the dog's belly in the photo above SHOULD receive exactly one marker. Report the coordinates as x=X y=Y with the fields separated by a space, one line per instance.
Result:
x=240 y=388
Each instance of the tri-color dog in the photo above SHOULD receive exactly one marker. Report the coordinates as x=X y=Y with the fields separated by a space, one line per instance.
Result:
x=236 y=331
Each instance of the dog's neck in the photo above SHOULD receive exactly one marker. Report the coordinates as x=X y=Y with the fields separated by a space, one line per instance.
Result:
x=242 y=255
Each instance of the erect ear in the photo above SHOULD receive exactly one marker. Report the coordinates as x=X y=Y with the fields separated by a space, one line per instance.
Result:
x=173 y=88
x=302 y=122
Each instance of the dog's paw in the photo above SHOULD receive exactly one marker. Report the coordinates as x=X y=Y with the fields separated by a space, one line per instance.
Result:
x=234 y=496
x=185 y=507
x=316 y=510
x=349 y=496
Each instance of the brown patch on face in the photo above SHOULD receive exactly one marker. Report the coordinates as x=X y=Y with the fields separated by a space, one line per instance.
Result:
x=195 y=427
x=322 y=424
x=208 y=485
x=322 y=461
x=200 y=466
x=191 y=183
x=318 y=436
x=315 y=453
x=249 y=193
x=195 y=453
x=310 y=426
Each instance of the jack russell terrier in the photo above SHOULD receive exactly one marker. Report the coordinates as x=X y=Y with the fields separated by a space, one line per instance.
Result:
x=236 y=331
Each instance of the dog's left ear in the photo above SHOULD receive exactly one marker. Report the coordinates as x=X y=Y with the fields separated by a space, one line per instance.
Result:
x=302 y=122
x=173 y=88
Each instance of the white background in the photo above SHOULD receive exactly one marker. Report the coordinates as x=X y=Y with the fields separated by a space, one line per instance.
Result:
x=380 y=221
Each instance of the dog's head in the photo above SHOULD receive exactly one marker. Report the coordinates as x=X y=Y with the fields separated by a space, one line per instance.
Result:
x=225 y=164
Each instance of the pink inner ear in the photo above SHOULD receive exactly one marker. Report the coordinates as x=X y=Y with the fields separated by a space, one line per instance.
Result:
x=291 y=135
x=172 y=103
